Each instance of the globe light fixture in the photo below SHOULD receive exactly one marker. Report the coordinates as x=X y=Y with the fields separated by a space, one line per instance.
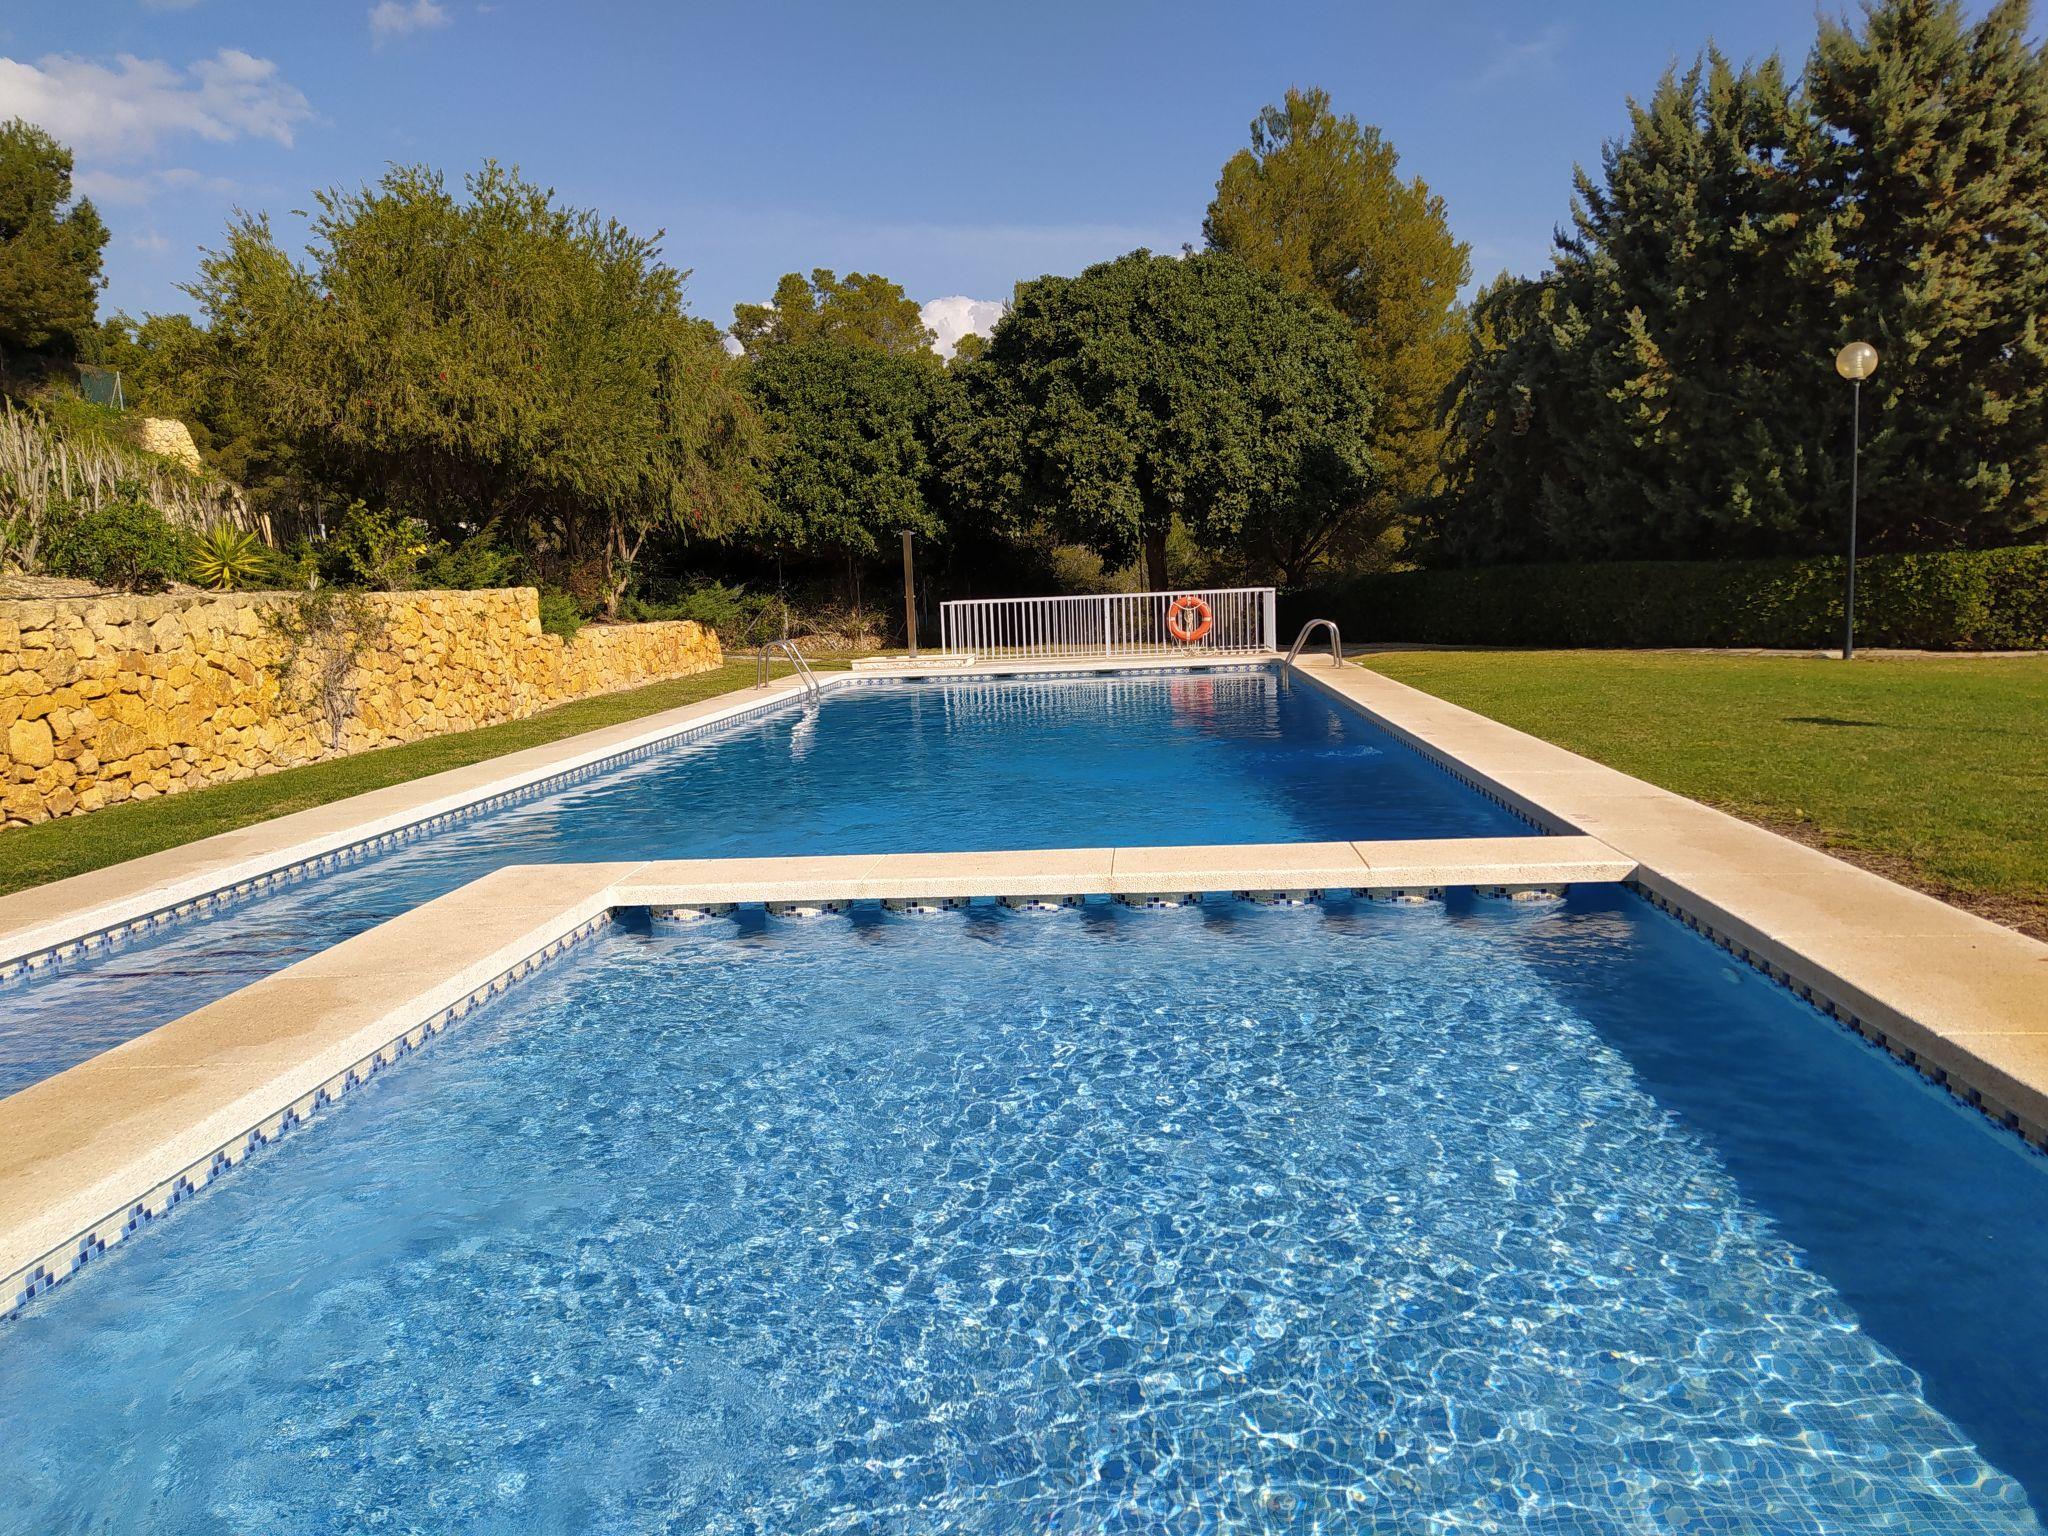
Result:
x=1855 y=362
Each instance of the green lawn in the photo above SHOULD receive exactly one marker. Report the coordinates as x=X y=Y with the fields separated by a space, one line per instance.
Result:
x=1932 y=771
x=70 y=846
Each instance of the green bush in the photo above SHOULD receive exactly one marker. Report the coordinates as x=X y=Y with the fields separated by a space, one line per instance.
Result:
x=125 y=542
x=471 y=566
x=740 y=617
x=560 y=613
x=1988 y=600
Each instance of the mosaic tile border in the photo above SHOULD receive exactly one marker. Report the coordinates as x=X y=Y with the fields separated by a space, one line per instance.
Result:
x=26 y=967
x=1026 y=669
x=2031 y=1135
x=1549 y=826
x=65 y=1260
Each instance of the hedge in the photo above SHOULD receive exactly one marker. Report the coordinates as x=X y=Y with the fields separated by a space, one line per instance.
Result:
x=1967 y=600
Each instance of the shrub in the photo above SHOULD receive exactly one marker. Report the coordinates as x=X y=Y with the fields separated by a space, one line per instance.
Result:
x=226 y=558
x=560 y=614
x=124 y=542
x=740 y=617
x=376 y=548
x=474 y=564
x=1993 y=600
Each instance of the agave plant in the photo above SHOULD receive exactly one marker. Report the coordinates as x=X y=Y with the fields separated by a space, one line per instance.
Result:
x=226 y=558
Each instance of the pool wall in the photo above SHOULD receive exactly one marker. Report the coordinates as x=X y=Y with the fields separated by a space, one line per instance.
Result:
x=50 y=924
x=91 y=1155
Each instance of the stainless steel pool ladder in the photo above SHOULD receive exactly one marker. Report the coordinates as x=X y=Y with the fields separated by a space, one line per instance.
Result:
x=811 y=686
x=1336 y=645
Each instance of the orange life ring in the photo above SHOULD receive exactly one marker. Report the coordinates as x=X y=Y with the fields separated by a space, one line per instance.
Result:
x=1188 y=634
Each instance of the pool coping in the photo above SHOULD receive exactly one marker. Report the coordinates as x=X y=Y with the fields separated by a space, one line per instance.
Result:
x=47 y=924
x=97 y=1152
x=1959 y=998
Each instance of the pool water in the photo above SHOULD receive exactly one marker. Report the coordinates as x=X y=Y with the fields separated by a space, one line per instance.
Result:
x=1352 y=1218
x=1224 y=757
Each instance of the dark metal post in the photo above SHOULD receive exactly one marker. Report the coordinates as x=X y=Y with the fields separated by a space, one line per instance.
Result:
x=909 y=595
x=1855 y=464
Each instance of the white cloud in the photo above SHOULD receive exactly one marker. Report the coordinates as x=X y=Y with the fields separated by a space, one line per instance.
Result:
x=1512 y=60
x=394 y=18
x=129 y=107
x=957 y=316
x=115 y=188
x=150 y=241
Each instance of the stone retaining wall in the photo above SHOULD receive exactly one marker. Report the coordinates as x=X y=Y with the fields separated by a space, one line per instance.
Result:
x=109 y=699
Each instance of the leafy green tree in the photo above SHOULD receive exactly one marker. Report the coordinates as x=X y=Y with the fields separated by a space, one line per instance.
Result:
x=1667 y=388
x=49 y=245
x=1936 y=156
x=493 y=360
x=864 y=309
x=1149 y=392
x=850 y=461
x=1318 y=201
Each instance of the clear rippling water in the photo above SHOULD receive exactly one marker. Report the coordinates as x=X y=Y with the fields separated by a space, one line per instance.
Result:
x=1226 y=1219
x=932 y=767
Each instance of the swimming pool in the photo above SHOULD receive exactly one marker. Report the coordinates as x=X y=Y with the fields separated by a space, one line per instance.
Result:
x=1359 y=1217
x=1228 y=756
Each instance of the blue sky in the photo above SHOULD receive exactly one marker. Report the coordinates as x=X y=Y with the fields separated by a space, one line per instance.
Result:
x=956 y=148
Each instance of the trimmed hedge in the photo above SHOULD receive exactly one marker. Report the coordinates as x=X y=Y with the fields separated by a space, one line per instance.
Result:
x=1965 y=600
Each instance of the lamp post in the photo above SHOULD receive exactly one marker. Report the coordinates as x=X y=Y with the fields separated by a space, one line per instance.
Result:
x=1855 y=362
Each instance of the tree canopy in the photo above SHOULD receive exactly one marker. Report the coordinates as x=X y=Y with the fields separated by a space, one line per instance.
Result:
x=1318 y=201
x=49 y=245
x=849 y=463
x=864 y=309
x=1667 y=388
x=1150 y=391
x=490 y=359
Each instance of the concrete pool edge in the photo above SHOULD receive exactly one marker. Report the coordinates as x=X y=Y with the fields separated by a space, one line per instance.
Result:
x=49 y=923
x=1961 y=999
x=92 y=1155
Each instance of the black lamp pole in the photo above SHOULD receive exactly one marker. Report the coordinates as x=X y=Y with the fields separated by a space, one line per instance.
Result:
x=1855 y=362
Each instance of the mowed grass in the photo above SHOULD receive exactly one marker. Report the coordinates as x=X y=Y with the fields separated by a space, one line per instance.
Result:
x=1932 y=771
x=52 y=850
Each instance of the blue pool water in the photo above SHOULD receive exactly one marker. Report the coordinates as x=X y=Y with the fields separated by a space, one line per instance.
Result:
x=1341 y=1219
x=1226 y=757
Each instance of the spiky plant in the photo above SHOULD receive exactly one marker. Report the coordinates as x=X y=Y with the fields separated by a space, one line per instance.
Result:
x=227 y=558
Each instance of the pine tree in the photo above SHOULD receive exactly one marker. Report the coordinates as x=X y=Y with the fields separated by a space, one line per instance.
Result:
x=1937 y=158
x=49 y=245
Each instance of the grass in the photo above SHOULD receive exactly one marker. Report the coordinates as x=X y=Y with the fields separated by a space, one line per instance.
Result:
x=1930 y=771
x=51 y=850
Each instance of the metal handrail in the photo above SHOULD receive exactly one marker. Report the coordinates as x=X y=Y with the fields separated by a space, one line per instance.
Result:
x=1336 y=642
x=812 y=688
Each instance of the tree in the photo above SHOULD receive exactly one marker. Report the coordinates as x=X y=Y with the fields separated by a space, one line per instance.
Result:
x=494 y=360
x=850 y=459
x=1936 y=155
x=864 y=310
x=1318 y=201
x=49 y=245
x=1149 y=391
x=1667 y=388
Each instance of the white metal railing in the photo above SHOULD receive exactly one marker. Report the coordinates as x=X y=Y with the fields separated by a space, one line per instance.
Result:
x=1241 y=620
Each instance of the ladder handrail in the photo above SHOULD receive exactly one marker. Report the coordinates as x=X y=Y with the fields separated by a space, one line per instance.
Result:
x=812 y=688
x=1336 y=641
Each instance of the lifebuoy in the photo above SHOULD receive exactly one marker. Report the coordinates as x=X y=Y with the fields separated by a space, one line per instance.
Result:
x=1188 y=633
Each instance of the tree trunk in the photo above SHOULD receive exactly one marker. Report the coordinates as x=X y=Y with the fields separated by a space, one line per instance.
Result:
x=1155 y=558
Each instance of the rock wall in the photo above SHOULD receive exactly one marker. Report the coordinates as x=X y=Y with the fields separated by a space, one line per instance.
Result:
x=110 y=699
